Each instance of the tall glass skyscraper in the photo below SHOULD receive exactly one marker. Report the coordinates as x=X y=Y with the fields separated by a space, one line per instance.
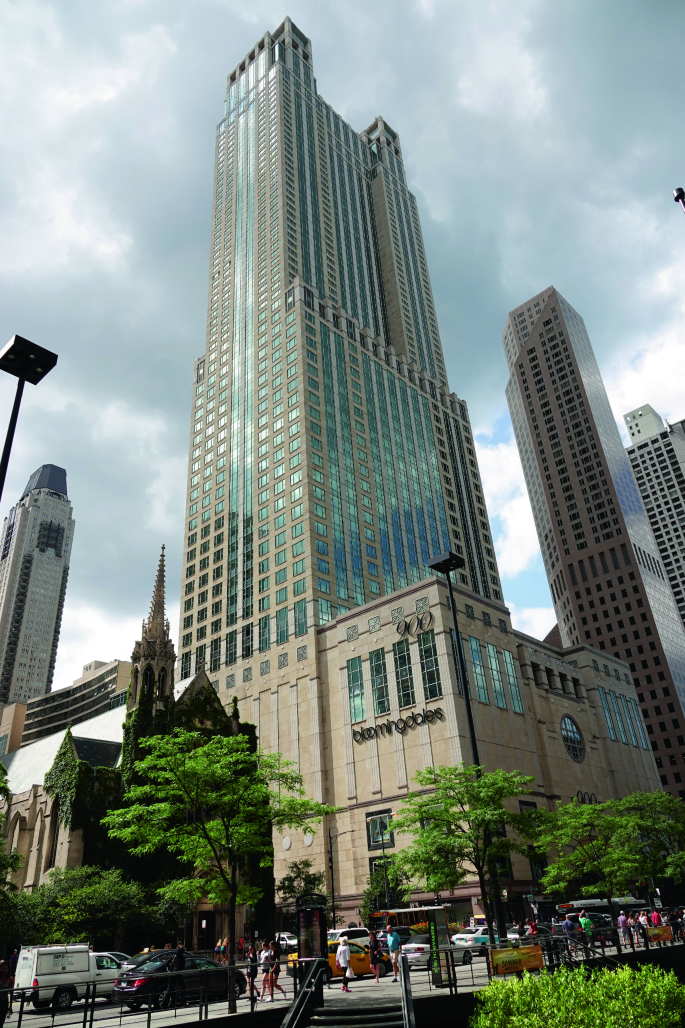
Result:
x=35 y=548
x=328 y=459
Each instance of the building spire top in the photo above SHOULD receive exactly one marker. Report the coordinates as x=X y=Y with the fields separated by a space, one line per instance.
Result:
x=156 y=622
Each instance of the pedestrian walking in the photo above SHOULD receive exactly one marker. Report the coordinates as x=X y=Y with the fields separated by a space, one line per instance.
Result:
x=394 y=948
x=224 y=951
x=644 y=925
x=623 y=925
x=375 y=955
x=276 y=951
x=6 y=983
x=265 y=961
x=178 y=980
x=14 y=960
x=586 y=926
x=241 y=948
x=217 y=950
x=342 y=960
x=656 y=919
x=252 y=968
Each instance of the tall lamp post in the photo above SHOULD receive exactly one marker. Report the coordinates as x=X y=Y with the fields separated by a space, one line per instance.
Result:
x=28 y=363
x=679 y=196
x=444 y=564
x=384 y=828
x=331 y=839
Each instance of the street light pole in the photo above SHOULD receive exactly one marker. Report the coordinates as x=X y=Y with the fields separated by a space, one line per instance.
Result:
x=28 y=363
x=331 y=839
x=679 y=196
x=444 y=564
x=9 y=438
x=384 y=828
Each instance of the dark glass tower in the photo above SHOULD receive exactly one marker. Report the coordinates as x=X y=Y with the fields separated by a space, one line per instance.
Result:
x=328 y=459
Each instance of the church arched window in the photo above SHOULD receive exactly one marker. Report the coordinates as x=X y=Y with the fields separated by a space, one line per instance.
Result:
x=161 y=683
x=148 y=681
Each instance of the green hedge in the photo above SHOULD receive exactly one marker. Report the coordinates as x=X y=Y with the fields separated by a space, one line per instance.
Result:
x=625 y=998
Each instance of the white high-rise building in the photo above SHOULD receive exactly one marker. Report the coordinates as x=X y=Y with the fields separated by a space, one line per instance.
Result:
x=35 y=547
x=657 y=457
x=643 y=422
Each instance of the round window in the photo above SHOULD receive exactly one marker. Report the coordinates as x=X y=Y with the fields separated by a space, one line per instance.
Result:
x=573 y=738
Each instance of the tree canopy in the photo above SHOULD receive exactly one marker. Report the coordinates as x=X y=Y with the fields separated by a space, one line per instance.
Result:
x=214 y=804
x=460 y=826
x=605 y=848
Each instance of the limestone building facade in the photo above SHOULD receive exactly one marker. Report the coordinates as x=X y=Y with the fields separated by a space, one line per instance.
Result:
x=362 y=703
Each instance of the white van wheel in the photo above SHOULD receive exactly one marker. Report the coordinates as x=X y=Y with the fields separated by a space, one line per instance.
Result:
x=62 y=999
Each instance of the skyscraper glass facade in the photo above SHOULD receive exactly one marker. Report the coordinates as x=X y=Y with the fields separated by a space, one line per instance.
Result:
x=328 y=460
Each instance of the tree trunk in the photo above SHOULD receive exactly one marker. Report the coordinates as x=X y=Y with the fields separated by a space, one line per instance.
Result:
x=232 y=997
x=487 y=907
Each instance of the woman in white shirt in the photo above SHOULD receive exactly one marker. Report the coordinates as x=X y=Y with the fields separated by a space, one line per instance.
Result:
x=342 y=959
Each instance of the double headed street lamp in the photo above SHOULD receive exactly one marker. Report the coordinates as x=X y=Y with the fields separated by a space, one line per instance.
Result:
x=384 y=820
x=331 y=839
x=444 y=564
x=28 y=363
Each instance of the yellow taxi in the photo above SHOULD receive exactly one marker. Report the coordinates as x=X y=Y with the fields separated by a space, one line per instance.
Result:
x=360 y=961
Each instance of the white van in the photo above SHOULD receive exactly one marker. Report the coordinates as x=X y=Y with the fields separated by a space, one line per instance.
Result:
x=59 y=975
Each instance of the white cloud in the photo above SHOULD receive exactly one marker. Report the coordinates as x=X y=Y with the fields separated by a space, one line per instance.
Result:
x=92 y=633
x=507 y=499
x=535 y=621
x=54 y=214
x=653 y=371
x=499 y=74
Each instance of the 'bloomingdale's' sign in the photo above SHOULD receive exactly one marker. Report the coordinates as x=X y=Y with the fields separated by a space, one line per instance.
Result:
x=401 y=725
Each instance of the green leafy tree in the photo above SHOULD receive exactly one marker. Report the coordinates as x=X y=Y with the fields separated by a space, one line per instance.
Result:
x=657 y=820
x=90 y=904
x=215 y=804
x=579 y=840
x=605 y=848
x=461 y=826
x=299 y=879
x=388 y=874
x=646 y=997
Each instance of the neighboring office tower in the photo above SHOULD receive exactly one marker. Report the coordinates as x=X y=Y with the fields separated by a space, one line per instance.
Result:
x=658 y=460
x=607 y=582
x=35 y=547
x=328 y=460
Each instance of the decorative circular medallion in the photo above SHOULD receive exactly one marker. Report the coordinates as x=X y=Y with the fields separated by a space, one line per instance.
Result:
x=287 y=843
x=308 y=840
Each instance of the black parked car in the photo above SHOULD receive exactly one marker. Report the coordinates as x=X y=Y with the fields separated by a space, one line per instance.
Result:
x=152 y=983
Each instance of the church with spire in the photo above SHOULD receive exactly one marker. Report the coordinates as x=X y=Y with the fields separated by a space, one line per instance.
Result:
x=52 y=826
x=154 y=657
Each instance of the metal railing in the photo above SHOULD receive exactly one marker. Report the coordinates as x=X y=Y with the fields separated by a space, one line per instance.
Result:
x=311 y=976
x=463 y=970
x=407 y=999
x=189 y=994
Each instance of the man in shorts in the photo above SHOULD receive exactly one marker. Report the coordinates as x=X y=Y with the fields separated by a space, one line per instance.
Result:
x=394 y=947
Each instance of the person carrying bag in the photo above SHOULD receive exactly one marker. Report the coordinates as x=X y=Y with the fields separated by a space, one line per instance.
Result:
x=342 y=960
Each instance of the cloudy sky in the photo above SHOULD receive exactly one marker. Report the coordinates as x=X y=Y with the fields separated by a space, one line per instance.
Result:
x=542 y=140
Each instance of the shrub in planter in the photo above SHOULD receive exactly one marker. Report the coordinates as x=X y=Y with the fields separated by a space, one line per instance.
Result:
x=625 y=998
